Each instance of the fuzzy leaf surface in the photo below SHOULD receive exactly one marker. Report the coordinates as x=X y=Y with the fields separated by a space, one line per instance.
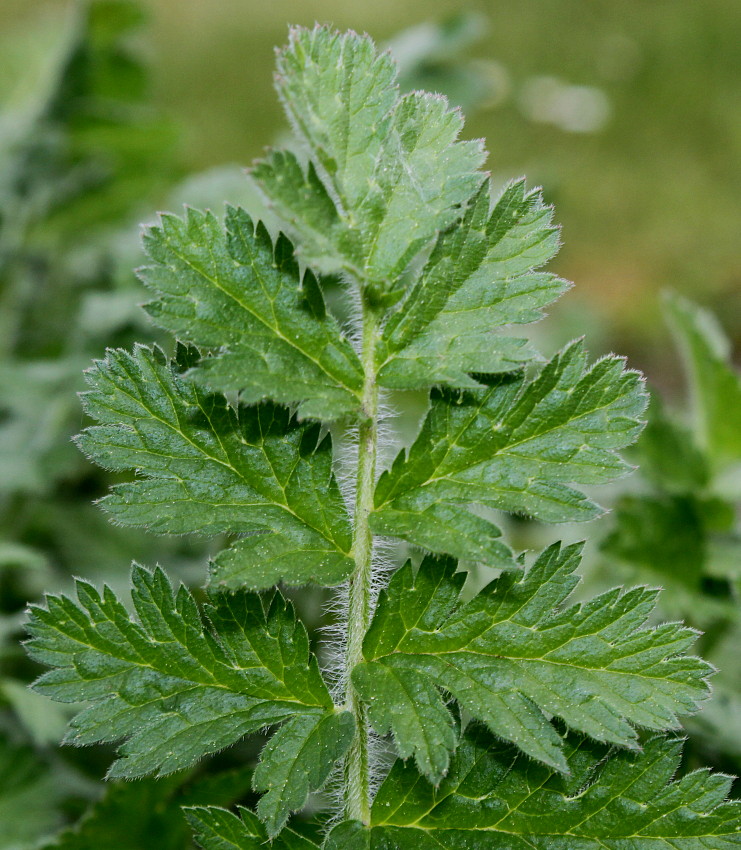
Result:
x=516 y=655
x=297 y=760
x=515 y=445
x=205 y=468
x=227 y=288
x=219 y=829
x=174 y=685
x=481 y=276
x=496 y=799
x=387 y=159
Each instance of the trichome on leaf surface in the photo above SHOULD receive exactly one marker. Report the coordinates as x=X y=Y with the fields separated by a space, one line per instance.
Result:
x=518 y=717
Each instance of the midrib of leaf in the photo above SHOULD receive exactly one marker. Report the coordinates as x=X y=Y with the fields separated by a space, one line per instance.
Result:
x=357 y=763
x=225 y=463
x=274 y=327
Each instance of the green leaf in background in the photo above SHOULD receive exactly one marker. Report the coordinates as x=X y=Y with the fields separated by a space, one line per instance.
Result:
x=665 y=535
x=207 y=468
x=440 y=56
x=30 y=795
x=389 y=160
x=118 y=150
x=714 y=385
x=218 y=829
x=228 y=288
x=44 y=721
x=481 y=276
x=175 y=687
x=496 y=799
x=38 y=403
x=668 y=455
x=516 y=655
x=681 y=528
x=146 y=814
x=80 y=144
x=514 y=446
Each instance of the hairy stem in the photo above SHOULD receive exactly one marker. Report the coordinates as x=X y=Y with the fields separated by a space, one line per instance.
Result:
x=357 y=765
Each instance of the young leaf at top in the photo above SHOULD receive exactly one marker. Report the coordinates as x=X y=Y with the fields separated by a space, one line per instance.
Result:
x=514 y=657
x=228 y=289
x=482 y=275
x=514 y=445
x=496 y=799
x=389 y=164
x=174 y=687
x=208 y=468
x=715 y=385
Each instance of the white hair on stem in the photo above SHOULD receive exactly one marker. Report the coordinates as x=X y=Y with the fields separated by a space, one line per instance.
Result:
x=333 y=636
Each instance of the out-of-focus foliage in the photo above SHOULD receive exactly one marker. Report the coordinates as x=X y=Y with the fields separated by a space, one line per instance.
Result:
x=681 y=528
x=145 y=815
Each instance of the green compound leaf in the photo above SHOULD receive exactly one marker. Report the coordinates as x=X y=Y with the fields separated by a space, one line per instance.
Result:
x=297 y=760
x=481 y=276
x=495 y=799
x=515 y=445
x=515 y=655
x=392 y=162
x=207 y=468
x=219 y=829
x=227 y=288
x=714 y=385
x=174 y=686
